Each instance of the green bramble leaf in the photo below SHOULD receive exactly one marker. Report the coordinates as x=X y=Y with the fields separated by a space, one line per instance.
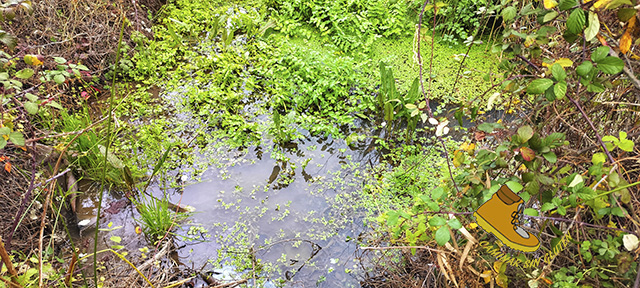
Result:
x=17 y=138
x=593 y=28
x=567 y=4
x=525 y=133
x=32 y=108
x=584 y=68
x=558 y=72
x=599 y=54
x=576 y=21
x=560 y=89
x=538 y=86
x=437 y=221
x=598 y=158
x=611 y=65
x=509 y=13
x=442 y=235
x=25 y=73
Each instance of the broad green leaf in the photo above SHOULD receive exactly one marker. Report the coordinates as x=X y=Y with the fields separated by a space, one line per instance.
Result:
x=509 y=13
x=55 y=104
x=17 y=138
x=558 y=72
x=59 y=60
x=3 y=142
x=442 y=235
x=32 y=108
x=599 y=54
x=549 y=16
x=593 y=28
x=576 y=20
x=531 y=212
x=25 y=73
x=567 y=4
x=626 y=145
x=111 y=158
x=437 y=193
x=4 y=76
x=116 y=239
x=598 y=158
x=547 y=206
x=611 y=65
x=392 y=218
x=560 y=89
x=58 y=79
x=488 y=127
x=551 y=157
x=538 y=86
x=455 y=224
x=437 y=221
x=584 y=68
x=514 y=186
x=4 y=131
x=31 y=97
x=525 y=133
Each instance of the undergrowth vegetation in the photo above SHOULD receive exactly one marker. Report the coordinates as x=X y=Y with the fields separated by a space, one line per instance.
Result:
x=551 y=112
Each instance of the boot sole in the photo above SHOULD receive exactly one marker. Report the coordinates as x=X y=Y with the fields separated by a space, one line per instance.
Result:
x=489 y=228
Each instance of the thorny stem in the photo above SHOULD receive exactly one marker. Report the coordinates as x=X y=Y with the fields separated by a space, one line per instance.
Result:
x=426 y=98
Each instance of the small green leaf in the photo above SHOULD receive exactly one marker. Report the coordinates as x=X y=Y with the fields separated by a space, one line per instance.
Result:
x=531 y=212
x=442 y=235
x=549 y=16
x=117 y=247
x=455 y=224
x=31 y=97
x=547 y=206
x=611 y=65
x=25 y=73
x=538 y=86
x=626 y=145
x=525 y=133
x=32 y=108
x=116 y=239
x=437 y=193
x=598 y=158
x=599 y=54
x=4 y=131
x=558 y=72
x=514 y=186
x=55 y=104
x=576 y=21
x=551 y=157
x=509 y=13
x=584 y=68
x=567 y=4
x=59 y=60
x=437 y=221
x=17 y=138
x=58 y=79
x=4 y=76
x=560 y=89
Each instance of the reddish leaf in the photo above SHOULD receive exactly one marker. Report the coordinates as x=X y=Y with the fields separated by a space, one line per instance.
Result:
x=85 y=95
x=2 y=158
x=479 y=135
x=7 y=167
x=527 y=153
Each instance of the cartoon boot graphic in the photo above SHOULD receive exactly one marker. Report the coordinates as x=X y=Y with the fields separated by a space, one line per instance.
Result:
x=501 y=215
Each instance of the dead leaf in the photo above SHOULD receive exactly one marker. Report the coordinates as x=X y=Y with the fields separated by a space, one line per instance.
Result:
x=626 y=40
x=7 y=167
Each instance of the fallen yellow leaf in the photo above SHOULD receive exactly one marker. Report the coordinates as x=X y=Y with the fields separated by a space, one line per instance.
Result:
x=549 y=4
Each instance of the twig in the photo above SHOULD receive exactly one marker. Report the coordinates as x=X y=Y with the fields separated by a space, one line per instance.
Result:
x=5 y=259
x=231 y=284
x=400 y=247
x=426 y=98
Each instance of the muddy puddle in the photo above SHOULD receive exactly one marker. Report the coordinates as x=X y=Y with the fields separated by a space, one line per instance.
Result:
x=289 y=206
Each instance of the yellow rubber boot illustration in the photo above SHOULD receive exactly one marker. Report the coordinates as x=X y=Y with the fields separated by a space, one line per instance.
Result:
x=501 y=216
